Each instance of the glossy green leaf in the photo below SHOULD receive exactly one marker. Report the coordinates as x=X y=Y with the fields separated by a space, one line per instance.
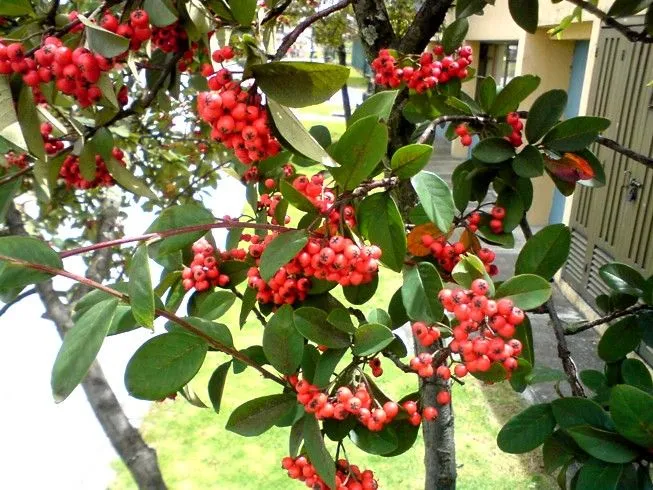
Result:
x=513 y=203
x=28 y=249
x=80 y=347
x=140 y=288
x=635 y=373
x=487 y=92
x=296 y=437
x=326 y=365
x=256 y=416
x=573 y=411
x=602 y=444
x=164 y=364
x=312 y=83
x=524 y=13
x=359 y=295
x=493 y=150
x=359 y=151
x=509 y=98
x=15 y=8
x=410 y=160
x=161 y=12
x=379 y=105
x=595 y=475
x=419 y=293
x=295 y=198
x=435 y=196
x=575 y=133
x=528 y=163
x=527 y=430
x=216 y=385
x=312 y=324
x=545 y=112
x=527 y=291
x=243 y=11
x=623 y=278
x=103 y=42
x=546 y=252
x=282 y=343
x=317 y=452
x=377 y=315
x=379 y=443
x=620 y=339
x=213 y=305
x=558 y=450
x=379 y=221
x=129 y=181
x=29 y=122
x=469 y=268
x=341 y=319
x=454 y=35
x=280 y=251
x=632 y=412
x=371 y=338
x=10 y=129
x=177 y=217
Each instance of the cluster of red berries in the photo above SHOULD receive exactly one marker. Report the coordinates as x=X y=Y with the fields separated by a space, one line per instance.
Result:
x=449 y=254
x=14 y=160
x=170 y=39
x=203 y=272
x=515 y=137
x=427 y=335
x=348 y=477
x=71 y=173
x=375 y=364
x=462 y=131
x=497 y=215
x=423 y=366
x=52 y=145
x=323 y=198
x=431 y=69
x=485 y=327
x=270 y=202
x=137 y=29
x=237 y=117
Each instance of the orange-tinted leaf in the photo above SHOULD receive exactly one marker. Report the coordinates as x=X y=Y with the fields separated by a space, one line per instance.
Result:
x=415 y=244
x=470 y=240
x=570 y=168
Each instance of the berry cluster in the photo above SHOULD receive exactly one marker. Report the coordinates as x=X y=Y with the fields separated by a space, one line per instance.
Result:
x=449 y=254
x=137 y=29
x=497 y=215
x=423 y=366
x=71 y=173
x=427 y=335
x=203 y=272
x=270 y=202
x=375 y=364
x=52 y=145
x=14 y=160
x=348 y=477
x=485 y=327
x=515 y=137
x=323 y=198
x=237 y=116
x=431 y=68
x=462 y=131
x=170 y=39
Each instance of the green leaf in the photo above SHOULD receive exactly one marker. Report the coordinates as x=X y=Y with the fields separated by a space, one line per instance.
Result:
x=215 y=304
x=295 y=134
x=379 y=105
x=469 y=268
x=524 y=13
x=254 y=353
x=371 y=338
x=7 y=193
x=164 y=364
x=543 y=374
x=243 y=11
x=436 y=198
x=524 y=333
x=87 y=164
x=28 y=249
x=358 y=151
x=595 y=475
x=29 y=123
x=454 y=35
x=15 y=8
x=103 y=42
x=620 y=339
x=10 y=128
x=162 y=13
x=296 y=437
x=487 y=92
x=256 y=416
x=282 y=343
x=545 y=112
x=419 y=293
x=513 y=94
x=140 y=288
x=377 y=315
x=312 y=324
x=558 y=450
x=513 y=203
x=527 y=291
x=217 y=331
x=312 y=83
x=493 y=150
x=623 y=8
x=575 y=133
x=359 y=295
x=379 y=220
x=495 y=374
x=602 y=444
x=317 y=452
x=296 y=198
x=467 y=8
x=248 y=303
x=632 y=412
x=129 y=181
x=178 y=217
x=326 y=365
x=379 y=443
x=623 y=278
x=528 y=163
x=546 y=252
x=281 y=250
x=341 y=319
x=80 y=347
x=411 y=159
x=216 y=385
x=527 y=430
x=573 y=411
x=635 y=373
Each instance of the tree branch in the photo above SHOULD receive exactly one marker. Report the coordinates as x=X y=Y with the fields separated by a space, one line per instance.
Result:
x=374 y=26
x=633 y=155
x=290 y=39
x=52 y=13
x=275 y=12
x=427 y=22
x=573 y=330
x=559 y=330
x=16 y=300
x=610 y=21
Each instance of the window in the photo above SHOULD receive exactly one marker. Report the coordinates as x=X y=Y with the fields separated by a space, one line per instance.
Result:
x=498 y=60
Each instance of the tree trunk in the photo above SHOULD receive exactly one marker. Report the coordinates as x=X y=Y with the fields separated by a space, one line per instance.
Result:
x=342 y=60
x=140 y=459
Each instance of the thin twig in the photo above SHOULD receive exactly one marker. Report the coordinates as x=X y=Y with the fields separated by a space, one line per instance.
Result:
x=15 y=175
x=633 y=155
x=290 y=39
x=52 y=13
x=257 y=312
x=276 y=11
x=17 y=299
x=159 y=312
x=610 y=21
x=573 y=330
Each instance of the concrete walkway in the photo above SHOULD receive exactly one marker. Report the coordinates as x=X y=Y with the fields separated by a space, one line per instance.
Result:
x=582 y=346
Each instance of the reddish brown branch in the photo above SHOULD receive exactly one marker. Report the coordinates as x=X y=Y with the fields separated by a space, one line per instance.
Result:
x=573 y=330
